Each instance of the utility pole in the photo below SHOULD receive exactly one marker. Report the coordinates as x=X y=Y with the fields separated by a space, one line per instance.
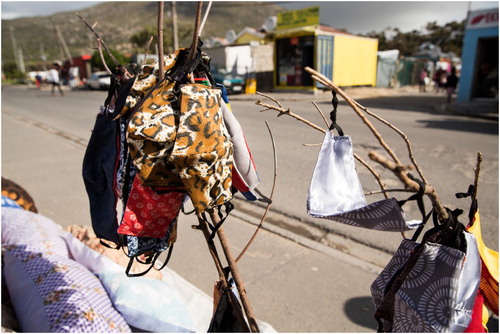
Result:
x=59 y=47
x=22 y=69
x=43 y=57
x=65 y=47
x=14 y=47
x=174 y=27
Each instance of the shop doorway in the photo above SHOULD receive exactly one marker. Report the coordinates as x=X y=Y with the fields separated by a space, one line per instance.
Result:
x=486 y=69
x=293 y=54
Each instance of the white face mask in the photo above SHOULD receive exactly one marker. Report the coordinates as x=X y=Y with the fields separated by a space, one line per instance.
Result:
x=335 y=186
x=335 y=192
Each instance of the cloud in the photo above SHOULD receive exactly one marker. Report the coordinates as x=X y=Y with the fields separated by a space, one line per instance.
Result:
x=17 y=9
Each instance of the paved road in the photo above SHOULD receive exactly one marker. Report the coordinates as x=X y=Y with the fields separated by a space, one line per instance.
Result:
x=445 y=147
x=294 y=283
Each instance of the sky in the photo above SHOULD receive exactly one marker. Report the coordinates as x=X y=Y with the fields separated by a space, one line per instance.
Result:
x=356 y=16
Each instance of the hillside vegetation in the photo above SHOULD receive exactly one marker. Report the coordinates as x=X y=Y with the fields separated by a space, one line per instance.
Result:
x=117 y=22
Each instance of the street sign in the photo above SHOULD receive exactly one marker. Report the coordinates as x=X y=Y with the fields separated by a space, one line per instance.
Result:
x=298 y=18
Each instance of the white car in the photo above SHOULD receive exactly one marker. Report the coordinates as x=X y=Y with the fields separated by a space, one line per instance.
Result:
x=99 y=80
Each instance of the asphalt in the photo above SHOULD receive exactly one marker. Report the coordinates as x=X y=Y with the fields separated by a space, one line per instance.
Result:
x=480 y=108
x=293 y=281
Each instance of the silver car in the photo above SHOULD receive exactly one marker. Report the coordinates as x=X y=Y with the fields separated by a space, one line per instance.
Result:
x=99 y=80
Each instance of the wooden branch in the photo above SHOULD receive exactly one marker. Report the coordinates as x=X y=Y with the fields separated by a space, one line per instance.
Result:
x=400 y=172
x=396 y=167
x=102 y=56
x=375 y=175
x=321 y=113
x=147 y=49
x=102 y=41
x=374 y=192
x=202 y=226
x=283 y=111
x=325 y=81
x=402 y=134
x=202 y=25
x=125 y=72
x=226 y=247
x=275 y=159
x=161 y=60
x=476 y=174
x=194 y=43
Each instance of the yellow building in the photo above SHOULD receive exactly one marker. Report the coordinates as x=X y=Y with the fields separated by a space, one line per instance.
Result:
x=346 y=59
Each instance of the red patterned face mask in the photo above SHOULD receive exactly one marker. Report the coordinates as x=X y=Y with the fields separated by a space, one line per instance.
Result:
x=149 y=214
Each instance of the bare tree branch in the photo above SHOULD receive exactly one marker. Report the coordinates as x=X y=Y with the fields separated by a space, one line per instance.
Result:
x=102 y=56
x=402 y=134
x=275 y=159
x=476 y=174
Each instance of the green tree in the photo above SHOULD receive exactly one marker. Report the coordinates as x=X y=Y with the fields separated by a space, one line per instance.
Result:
x=448 y=37
x=96 y=60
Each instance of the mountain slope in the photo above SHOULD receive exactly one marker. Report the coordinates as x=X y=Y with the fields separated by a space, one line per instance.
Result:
x=118 y=21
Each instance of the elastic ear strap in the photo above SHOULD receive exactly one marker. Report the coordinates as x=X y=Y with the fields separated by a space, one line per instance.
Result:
x=129 y=266
x=229 y=207
x=333 y=115
x=421 y=227
x=168 y=257
x=418 y=197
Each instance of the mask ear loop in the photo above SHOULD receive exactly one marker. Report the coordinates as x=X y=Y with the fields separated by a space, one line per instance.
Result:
x=333 y=115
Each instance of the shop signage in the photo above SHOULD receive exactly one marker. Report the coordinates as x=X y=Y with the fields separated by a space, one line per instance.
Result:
x=480 y=19
x=298 y=18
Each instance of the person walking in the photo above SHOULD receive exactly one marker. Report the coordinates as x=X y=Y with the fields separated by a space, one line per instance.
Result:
x=423 y=80
x=53 y=78
x=451 y=84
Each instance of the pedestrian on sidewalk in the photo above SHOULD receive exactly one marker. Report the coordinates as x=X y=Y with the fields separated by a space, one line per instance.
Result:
x=451 y=84
x=53 y=78
x=424 y=76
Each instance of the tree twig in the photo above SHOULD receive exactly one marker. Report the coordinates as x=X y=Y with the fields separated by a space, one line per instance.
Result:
x=402 y=134
x=117 y=64
x=147 y=49
x=161 y=59
x=400 y=173
x=194 y=43
x=325 y=81
x=321 y=113
x=207 y=11
x=275 y=159
x=100 y=38
x=396 y=167
x=476 y=174
x=102 y=57
x=283 y=111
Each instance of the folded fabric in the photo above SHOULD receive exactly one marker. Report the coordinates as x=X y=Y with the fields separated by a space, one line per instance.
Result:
x=98 y=173
x=438 y=293
x=21 y=227
x=335 y=192
x=384 y=215
x=489 y=271
x=335 y=186
x=149 y=214
x=146 y=303
x=245 y=177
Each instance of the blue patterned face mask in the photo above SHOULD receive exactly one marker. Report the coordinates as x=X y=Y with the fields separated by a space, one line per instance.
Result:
x=335 y=192
x=429 y=286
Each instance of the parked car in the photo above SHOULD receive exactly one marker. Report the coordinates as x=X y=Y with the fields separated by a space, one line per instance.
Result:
x=234 y=84
x=99 y=80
